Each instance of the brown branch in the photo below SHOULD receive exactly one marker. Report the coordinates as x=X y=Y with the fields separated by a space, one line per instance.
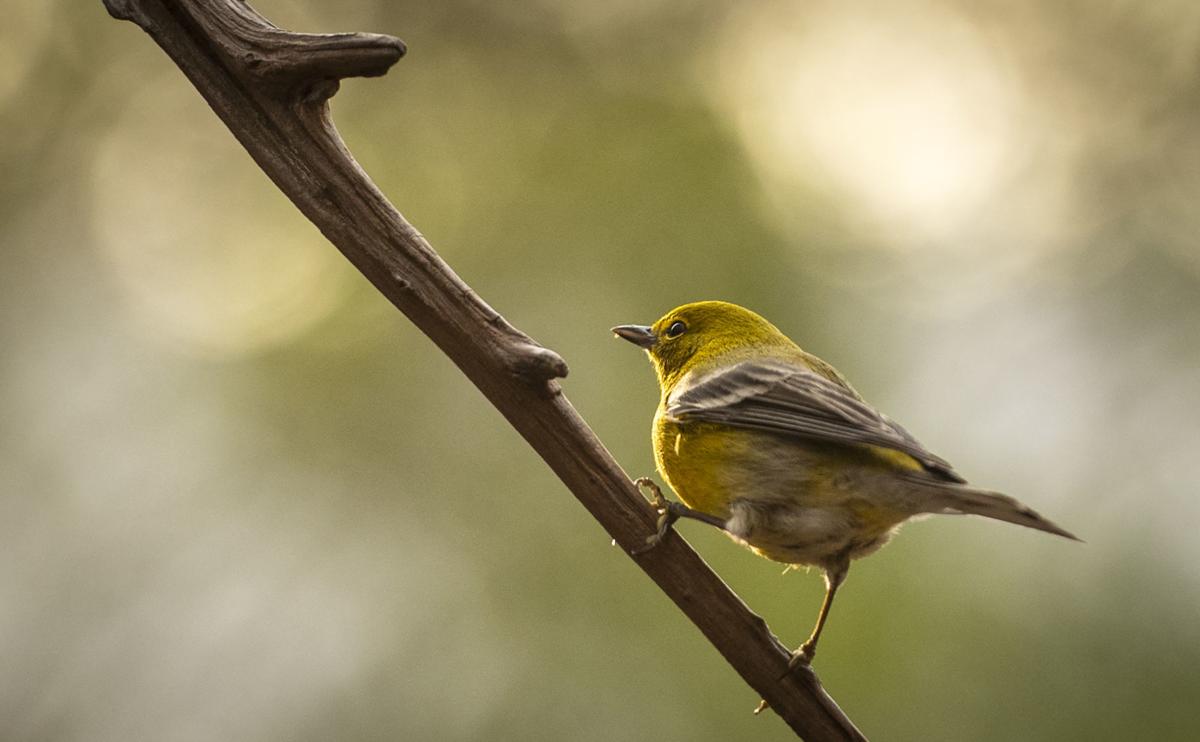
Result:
x=270 y=87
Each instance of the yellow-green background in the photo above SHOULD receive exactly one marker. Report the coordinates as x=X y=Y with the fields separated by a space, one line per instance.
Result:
x=241 y=498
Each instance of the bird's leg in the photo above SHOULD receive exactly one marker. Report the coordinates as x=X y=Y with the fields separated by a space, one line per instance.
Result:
x=834 y=577
x=668 y=512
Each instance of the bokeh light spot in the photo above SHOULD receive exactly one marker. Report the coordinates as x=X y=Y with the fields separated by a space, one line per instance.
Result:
x=909 y=118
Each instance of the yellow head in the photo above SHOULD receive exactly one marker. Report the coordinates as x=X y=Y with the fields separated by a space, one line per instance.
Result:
x=704 y=334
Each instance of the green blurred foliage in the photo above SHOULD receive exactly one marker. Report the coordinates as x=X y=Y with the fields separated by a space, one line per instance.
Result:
x=241 y=498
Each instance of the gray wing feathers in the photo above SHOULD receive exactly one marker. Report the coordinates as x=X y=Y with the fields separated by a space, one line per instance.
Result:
x=789 y=400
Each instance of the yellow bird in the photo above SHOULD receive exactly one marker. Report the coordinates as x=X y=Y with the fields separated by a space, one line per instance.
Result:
x=772 y=445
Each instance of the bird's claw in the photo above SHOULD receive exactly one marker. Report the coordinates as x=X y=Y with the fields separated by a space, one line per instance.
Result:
x=801 y=658
x=656 y=495
x=668 y=513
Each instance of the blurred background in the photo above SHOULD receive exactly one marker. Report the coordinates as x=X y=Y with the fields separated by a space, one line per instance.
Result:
x=242 y=498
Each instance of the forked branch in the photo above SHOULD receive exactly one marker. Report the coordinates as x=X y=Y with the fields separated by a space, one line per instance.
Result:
x=270 y=87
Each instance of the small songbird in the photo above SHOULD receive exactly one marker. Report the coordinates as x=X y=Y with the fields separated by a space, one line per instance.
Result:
x=772 y=445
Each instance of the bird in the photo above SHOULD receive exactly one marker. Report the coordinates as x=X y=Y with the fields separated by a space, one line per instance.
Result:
x=773 y=446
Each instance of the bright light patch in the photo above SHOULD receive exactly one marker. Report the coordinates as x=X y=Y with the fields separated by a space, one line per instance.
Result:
x=908 y=117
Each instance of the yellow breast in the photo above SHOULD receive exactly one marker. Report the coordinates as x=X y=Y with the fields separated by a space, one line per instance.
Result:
x=695 y=462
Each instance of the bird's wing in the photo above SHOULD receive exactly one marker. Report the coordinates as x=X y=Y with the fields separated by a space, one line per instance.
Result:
x=791 y=400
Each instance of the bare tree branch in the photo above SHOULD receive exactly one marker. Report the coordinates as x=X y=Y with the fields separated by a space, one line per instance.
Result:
x=270 y=87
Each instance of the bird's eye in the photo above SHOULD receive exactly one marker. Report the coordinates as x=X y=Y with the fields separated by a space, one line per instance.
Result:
x=676 y=329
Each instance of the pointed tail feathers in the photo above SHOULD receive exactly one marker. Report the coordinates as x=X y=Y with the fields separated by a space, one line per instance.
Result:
x=964 y=500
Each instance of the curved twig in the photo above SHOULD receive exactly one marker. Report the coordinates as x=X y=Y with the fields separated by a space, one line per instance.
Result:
x=270 y=87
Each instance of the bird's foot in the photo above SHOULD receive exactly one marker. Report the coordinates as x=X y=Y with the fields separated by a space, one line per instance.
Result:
x=801 y=658
x=656 y=495
x=668 y=513
x=800 y=662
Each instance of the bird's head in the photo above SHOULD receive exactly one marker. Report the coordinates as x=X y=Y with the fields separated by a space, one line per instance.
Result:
x=704 y=334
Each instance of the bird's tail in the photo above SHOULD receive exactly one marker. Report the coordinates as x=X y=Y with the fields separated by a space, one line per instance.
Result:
x=959 y=500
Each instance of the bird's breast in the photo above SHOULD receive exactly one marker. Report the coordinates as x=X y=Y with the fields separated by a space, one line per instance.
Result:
x=792 y=501
x=709 y=465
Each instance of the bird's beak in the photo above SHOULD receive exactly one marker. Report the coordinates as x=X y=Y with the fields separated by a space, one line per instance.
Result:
x=640 y=335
